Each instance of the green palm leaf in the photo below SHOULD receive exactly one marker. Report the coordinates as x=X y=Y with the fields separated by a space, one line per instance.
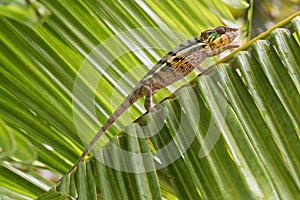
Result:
x=254 y=157
x=259 y=134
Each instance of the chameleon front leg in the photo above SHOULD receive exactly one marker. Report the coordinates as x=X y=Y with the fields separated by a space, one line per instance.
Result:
x=212 y=52
x=200 y=68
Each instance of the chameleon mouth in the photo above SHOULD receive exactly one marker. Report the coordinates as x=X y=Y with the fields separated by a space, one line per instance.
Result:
x=234 y=32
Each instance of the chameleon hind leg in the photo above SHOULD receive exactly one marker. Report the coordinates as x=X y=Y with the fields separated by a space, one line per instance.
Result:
x=148 y=104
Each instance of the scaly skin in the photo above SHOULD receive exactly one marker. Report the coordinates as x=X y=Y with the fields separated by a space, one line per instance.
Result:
x=178 y=63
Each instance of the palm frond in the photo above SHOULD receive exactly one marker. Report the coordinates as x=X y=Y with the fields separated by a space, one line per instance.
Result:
x=41 y=68
x=247 y=109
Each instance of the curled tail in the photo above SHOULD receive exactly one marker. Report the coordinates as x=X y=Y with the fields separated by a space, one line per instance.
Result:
x=118 y=112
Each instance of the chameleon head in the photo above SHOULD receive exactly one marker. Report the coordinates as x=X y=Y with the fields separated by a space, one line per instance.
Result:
x=218 y=37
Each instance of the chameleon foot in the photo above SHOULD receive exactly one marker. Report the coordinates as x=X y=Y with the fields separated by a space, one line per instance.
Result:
x=152 y=109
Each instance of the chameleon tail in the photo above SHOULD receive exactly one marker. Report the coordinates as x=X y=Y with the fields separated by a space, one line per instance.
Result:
x=118 y=112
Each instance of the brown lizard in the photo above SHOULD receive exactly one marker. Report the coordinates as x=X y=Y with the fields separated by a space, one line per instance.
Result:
x=175 y=65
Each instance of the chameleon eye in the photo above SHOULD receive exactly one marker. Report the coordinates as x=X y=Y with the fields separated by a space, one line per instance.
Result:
x=221 y=29
x=212 y=37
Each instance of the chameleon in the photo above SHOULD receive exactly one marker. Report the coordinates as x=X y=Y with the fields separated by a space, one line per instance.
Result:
x=175 y=65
